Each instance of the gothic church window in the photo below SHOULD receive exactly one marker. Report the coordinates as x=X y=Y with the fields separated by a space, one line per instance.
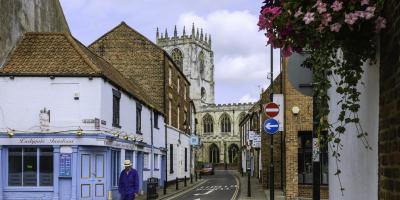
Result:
x=225 y=123
x=208 y=124
x=202 y=65
x=214 y=153
x=177 y=56
x=203 y=93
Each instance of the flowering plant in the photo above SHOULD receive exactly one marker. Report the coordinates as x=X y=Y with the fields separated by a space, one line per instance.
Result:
x=339 y=36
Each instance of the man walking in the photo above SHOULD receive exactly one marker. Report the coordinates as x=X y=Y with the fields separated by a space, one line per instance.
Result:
x=128 y=185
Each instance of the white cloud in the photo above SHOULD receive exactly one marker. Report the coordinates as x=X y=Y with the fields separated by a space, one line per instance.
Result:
x=247 y=98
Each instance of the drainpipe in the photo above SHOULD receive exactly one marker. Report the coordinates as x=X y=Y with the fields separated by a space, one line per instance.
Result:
x=152 y=144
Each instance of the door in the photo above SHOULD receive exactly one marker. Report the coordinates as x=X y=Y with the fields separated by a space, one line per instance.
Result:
x=92 y=176
x=139 y=168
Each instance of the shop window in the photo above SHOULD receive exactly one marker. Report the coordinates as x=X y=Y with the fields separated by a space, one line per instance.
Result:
x=23 y=165
x=115 y=167
x=305 y=160
x=116 y=108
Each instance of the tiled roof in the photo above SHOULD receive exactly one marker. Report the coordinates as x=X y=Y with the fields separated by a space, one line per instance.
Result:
x=59 y=54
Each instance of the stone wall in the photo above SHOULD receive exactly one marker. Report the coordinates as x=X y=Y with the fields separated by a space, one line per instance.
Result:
x=20 y=16
x=389 y=114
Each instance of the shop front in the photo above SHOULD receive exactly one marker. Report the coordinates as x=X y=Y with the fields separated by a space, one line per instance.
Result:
x=65 y=166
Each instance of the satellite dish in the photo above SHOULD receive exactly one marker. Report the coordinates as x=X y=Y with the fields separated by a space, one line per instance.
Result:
x=300 y=77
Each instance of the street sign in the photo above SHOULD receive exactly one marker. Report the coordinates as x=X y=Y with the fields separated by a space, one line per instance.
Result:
x=251 y=135
x=271 y=126
x=194 y=140
x=257 y=138
x=271 y=109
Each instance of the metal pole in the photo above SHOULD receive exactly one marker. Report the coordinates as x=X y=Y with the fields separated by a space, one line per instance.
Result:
x=316 y=150
x=248 y=182
x=165 y=187
x=177 y=183
x=271 y=167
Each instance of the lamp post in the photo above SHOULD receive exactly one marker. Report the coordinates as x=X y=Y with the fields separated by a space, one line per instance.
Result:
x=226 y=165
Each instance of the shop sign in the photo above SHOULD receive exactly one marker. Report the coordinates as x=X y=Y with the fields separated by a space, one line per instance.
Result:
x=65 y=165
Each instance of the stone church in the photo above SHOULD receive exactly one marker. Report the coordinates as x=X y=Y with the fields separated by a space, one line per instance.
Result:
x=217 y=124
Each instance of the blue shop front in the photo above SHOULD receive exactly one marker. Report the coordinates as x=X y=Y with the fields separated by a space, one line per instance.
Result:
x=67 y=166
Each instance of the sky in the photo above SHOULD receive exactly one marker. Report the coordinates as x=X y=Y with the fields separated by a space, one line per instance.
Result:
x=241 y=57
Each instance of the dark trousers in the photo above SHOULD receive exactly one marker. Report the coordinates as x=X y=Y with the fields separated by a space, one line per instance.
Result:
x=128 y=197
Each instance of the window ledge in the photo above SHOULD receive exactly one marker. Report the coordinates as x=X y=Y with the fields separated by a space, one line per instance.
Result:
x=146 y=169
x=116 y=125
x=156 y=169
x=138 y=132
x=27 y=189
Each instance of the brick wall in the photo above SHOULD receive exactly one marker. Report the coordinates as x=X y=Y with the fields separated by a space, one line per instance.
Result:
x=389 y=103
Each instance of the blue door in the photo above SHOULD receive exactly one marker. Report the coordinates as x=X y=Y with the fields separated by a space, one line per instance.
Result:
x=162 y=168
x=91 y=176
x=139 y=168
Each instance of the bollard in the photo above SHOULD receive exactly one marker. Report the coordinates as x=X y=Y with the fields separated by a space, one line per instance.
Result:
x=195 y=176
x=191 y=178
x=248 y=183
x=177 y=183
x=200 y=175
x=165 y=187
x=185 y=182
x=241 y=171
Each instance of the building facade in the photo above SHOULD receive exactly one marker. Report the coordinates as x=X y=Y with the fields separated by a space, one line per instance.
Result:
x=70 y=119
x=138 y=58
x=217 y=125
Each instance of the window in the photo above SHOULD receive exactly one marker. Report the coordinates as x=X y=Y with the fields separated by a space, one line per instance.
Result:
x=203 y=93
x=23 y=165
x=155 y=119
x=115 y=167
x=214 y=153
x=170 y=76
x=225 y=123
x=116 y=108
x=177 y=117
x=185 y=122
x=179 y=85
x=186 y=159
x=184 y=92
x=201 y=62
x=146 y=161
x=305 y=160
x=171 y=158
x=138 y=118
x=169 y=112
x=156 y=162
x=208 y=124
x=177 y=57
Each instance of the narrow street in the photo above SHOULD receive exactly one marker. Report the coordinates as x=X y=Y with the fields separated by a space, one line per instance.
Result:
x=221 y=186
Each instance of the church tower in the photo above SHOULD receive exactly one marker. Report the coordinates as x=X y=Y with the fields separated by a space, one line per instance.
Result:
x=193 y=54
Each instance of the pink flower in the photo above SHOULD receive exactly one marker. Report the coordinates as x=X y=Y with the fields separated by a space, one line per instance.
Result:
x=364 y=2
x=336 y=27
x=350 y=18
x=380 y=24
x=262 y=23
x=271 y=10
x=326 y=18
x=287 y=51
x=369 y=12
x=308 y=17
x=298 y=13
x=320 y=28
x=337 y=6
x=321 y=7
x=360 y=14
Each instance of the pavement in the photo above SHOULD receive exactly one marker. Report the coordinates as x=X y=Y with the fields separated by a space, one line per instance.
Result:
x=172 y=191
x=223 y=185
x=257 y=192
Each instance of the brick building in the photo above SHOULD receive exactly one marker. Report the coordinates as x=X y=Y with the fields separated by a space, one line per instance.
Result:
x=138 y=58
x=292 y=147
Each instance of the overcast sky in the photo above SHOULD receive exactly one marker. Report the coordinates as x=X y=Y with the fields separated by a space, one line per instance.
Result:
x=241 y=58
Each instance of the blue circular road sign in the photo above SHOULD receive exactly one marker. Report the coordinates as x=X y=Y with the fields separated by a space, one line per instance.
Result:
x=271 y=126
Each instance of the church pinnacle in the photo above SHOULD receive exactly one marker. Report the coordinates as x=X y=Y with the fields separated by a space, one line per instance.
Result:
x=175 y=32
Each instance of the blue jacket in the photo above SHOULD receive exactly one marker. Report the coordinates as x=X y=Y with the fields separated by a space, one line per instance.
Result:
x=128 y=183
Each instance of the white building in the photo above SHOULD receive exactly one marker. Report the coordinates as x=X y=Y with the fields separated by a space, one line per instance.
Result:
x=68 y=121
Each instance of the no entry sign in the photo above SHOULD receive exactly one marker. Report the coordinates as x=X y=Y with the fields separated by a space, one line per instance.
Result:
x=271 y=109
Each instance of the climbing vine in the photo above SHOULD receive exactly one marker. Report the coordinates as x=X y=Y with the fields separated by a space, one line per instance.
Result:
x=338 y=36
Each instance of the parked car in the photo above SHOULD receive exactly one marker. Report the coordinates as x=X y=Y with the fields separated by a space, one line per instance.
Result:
x=207 y=168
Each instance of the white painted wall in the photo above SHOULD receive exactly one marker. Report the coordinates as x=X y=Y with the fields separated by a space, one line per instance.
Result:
x=180 y=141
x=359 y=166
